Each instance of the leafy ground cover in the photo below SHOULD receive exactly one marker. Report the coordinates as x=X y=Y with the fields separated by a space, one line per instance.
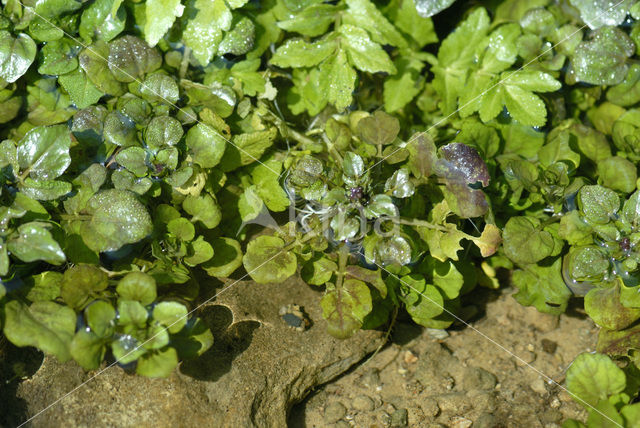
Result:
x=396 y=153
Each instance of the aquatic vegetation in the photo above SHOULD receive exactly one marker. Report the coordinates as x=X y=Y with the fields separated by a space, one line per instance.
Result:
x=395 y=153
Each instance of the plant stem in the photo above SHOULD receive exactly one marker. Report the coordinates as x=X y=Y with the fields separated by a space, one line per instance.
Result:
x=419 y=223
x=185 y=62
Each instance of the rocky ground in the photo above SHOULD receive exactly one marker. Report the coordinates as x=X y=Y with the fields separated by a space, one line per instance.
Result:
x=260 y=367
x=486 y=375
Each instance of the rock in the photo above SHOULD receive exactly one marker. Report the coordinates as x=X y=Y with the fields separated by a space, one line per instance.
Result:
x=539 y=386
x=363 y=403
x=255 y=371
x=400 y=418
x=460 y=422
x=342 y=424
x=484 y=401
x=429 y=406
x=334 y=412
x=454 y=402
x=549 y=346
x=371 y=379
x=476 y=378
x=437 y=369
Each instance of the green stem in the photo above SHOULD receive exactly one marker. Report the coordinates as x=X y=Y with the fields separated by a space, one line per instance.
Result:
x=420 y=223
x=184 y=65
x=343 y=258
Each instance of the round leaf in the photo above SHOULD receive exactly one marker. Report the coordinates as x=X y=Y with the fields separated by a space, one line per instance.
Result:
x=267 y=261
x=137 y=286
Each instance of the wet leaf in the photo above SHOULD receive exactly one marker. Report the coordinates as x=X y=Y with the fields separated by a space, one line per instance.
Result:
x=594 y=377
x=345 y=308
x=266 y=260
x=16 y=55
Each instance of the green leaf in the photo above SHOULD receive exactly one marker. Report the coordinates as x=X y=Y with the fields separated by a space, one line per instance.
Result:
x=598 y=204
x=163 y=131
x=598 y=13
x=604 y=307
x=381 y=205
x=618 y=173
x=345 y=308
x=337 y=76
x=131 y=313
x=247 y=148
x=158 y=363
x=204 y=209
x=266 y=260
x=203 y=33
x=525 y=242
x=46 y=325
x=172 y=315
x=300 y=53
x=427 y=8
x=80 y=282
x=94 y=61
x=87 y=349
x=44 y=190
x=312 y=21
x=542 y=287
x=206 y=146
x=199 y=252
x=456 y=55
x=403 y=87
x=133 y=159
x=159 y=17
x=193 y=340
x=44 y=286
x=250 y=204
x=227 y=257
x=378 y=129
x=137 y=286
x=44 y=152
x=32 y=241
x=602 y=60
x=422 y=300
x=605 y=415
x=83 y=93
x=130 y=58
x=16 y=55
x=363 y=53
x=100 y=317
x=318 y=271
x=594 y=377
x=160 y=88
x=182 y=229
x=399 y=185
x=59 y=57
x=117 y=219
x=103 y=20
x=364 y=14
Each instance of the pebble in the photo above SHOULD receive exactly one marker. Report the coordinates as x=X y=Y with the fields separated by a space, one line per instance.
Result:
x=460 y=422
x=429 y=406
x=549 y=346
x=334 y=412
x=477 y=378
x=539 y=386
x=371 y=379
x=363 y=403
x=410 y=357
x=484 y=401
x=437 y=333
x=400 y=418
x=454 y=402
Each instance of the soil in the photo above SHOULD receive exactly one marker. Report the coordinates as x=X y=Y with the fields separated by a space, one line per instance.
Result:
x=488 y=374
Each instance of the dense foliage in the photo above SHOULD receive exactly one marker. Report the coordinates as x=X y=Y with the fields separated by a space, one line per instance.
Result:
x=375 y=151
